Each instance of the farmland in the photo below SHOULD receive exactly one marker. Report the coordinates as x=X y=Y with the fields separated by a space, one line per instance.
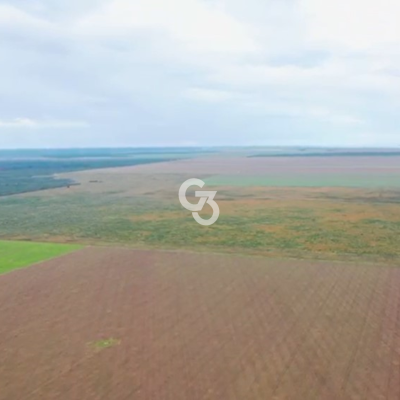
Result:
x=322 y=180
x=278 y=206
x=292 y=294
x=15 y=255
x=117 y=323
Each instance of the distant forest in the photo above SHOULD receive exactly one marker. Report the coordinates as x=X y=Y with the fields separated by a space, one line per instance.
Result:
x=24 y=171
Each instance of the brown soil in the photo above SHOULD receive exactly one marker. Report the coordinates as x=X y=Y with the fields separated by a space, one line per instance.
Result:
x=252 y=166
x=196 y=326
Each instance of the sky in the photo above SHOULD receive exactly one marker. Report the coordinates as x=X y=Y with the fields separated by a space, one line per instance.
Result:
x=86 y=73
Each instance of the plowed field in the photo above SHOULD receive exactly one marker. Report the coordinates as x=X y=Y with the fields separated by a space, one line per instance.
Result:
x=150 y=325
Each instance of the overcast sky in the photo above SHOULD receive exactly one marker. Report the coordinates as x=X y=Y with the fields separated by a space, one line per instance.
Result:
x=199 y=72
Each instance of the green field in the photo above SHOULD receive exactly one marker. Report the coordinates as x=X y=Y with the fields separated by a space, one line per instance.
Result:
x=309 y=180
x=15 y=255
x=314 y=224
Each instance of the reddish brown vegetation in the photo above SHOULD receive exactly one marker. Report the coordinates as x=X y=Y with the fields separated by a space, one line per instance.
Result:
x=194 y=326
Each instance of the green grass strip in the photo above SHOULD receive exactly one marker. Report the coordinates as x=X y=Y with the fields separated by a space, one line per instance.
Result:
x=14 y=255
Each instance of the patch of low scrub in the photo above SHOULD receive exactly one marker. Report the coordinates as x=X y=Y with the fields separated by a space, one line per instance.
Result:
x=104 y=344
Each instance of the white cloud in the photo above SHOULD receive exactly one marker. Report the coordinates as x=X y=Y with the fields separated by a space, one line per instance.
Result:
x=287 y=108
x=155 y=68
x=208 y=95
x=327 y=115
x=336 y=73
x=200 y=25
x=352 y=24
x=14 y=17
x=28 y=123
x=307 y=110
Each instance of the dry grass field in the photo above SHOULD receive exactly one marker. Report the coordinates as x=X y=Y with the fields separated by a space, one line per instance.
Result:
x=112 y=323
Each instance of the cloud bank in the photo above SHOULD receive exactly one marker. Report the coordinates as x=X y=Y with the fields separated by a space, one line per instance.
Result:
x=210 y=72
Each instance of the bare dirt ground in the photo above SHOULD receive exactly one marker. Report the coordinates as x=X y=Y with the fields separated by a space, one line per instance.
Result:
x=188 y=326
x=254 y=165
x=245 y=166
x=164 y=179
